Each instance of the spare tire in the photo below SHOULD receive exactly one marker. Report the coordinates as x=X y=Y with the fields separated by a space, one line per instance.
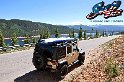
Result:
x=39 y=62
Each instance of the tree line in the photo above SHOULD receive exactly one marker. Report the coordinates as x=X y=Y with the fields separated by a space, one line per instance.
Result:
x=82 y=34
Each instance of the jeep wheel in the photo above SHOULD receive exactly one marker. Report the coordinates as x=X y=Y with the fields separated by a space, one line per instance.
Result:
x=81 y=58
x=62 y=72
x=39 y=62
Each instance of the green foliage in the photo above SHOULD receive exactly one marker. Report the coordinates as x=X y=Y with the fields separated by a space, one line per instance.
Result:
x=97 y=34
x=2 y=44
x=73 y=36
x=80 y=34
x=14 y=39
x=47 y=34
x=27 y=40
x=44 y=34
x=33 y=40
x=111 y=69
x=85 y=35
x=56 y=33
x=70 y=34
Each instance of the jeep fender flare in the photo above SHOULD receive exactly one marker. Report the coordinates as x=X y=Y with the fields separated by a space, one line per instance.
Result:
x=81 y=54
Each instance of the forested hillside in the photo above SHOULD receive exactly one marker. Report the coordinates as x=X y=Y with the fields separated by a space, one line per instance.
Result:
x=23 y=27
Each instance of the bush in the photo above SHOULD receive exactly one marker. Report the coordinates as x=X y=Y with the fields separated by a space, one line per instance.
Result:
x=111 y=69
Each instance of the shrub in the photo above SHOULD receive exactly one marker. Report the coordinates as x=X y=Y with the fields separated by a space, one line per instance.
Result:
x=111 y=69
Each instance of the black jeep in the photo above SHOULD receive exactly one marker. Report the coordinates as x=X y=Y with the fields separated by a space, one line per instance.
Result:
x=57 y=54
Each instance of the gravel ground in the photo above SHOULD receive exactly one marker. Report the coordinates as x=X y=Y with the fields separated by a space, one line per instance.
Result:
x=18 y=67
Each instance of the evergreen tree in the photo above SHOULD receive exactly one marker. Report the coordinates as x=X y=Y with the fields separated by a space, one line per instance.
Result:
x=103 y=34
x=33 y=40
x=2 y=44
x=70 y=34
x=106 y=33
x=92 y=33
x=42 y=35
x=47 y=34
x=97 y=34
x=56 y=33
x=73 y=36
x=85 y=35
x=27 y=40
x=14 y=39
x=91 y=36
x=80 y=34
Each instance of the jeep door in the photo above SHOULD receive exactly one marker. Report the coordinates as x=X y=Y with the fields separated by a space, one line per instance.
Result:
x=75 y=52
x=69 y=54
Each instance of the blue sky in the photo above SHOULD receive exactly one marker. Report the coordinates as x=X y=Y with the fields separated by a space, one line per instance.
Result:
x=60 y=12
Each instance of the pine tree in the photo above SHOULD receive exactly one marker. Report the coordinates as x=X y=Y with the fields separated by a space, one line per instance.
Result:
x=80 y=34
x=56 y=33
x=70 y=34
x=97 y=34
x=103 y=34
x=106 y=33
x=92 y=33
x=85 y=35
x=27 y=40
x=47 y=34
x=91 y=36
x=33 y=40
x=73 y=36
x=42 y=35
x=14 y=39
x=2 y=44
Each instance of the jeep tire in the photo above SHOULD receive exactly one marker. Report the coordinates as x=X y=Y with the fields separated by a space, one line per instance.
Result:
x=39 y=62
x=62 y=72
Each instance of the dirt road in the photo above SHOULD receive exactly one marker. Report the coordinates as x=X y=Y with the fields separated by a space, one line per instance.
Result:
x=18 y=67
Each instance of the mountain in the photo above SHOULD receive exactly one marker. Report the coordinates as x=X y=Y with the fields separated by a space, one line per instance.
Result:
x=117 y=28
x=111 y=27
x=23 y=27
x=84 y=27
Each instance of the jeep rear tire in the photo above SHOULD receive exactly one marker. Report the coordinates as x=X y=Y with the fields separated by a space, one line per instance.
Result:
x=62 y=72
x=39 y=62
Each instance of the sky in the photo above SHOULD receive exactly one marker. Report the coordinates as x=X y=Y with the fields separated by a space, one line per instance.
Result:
x=57 y=12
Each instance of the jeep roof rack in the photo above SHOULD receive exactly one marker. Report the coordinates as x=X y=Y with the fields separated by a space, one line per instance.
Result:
x=56 y=40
